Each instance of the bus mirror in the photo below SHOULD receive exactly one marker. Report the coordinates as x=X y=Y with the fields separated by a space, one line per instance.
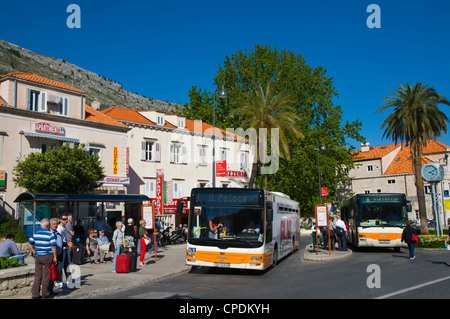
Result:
x=269 y=214
x=409 y=206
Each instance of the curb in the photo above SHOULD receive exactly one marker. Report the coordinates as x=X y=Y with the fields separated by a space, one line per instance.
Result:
x=310 y=255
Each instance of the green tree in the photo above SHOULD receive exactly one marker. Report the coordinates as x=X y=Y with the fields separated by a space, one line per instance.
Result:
x=270 y=109
x=415 y=120
x=66 y=170
x=320 y=121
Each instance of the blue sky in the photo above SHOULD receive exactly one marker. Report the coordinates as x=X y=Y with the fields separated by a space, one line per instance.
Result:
x=161 y=49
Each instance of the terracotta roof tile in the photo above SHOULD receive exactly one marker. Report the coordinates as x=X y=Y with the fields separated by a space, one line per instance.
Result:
x=374 y=152
x=126 y=114
x=40 y=79
x=132 y=115
x=99 y=117
x=402 y=163
x=2 y=102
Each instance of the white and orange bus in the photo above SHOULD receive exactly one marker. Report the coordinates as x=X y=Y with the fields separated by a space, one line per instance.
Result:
x=376 y=220
x=241 y=228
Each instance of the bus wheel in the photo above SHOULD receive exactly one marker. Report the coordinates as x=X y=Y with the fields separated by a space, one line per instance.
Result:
x=275 y=256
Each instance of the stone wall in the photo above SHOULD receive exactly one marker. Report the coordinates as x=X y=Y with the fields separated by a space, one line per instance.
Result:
x=16 y=281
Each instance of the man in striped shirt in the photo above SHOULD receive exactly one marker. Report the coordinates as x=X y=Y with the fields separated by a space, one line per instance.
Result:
x=43 y=245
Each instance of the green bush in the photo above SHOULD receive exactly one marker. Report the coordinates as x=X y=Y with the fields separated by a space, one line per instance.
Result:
x=6 y=262
x=9 y=225
x=431 y=241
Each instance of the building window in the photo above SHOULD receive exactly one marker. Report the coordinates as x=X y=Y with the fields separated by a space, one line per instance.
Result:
x=94 y=151
x=181 y=123
x=47 y=146
x=202 y=150
x=36 y=100
x=63 y=106
x=391 y=181
x=378 y=190
x=150 y=151
x=223 y=154
x=366 y=192
x=370 y=168
x=177 y=189
x=178 y=153
x=160 y=119
x=244 y=160
x=150 y=188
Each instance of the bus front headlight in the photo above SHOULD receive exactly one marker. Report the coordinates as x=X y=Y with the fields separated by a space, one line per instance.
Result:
x=256 y=258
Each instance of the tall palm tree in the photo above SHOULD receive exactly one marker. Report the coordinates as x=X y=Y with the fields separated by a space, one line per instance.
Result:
x=415 y=120
x=269 y=108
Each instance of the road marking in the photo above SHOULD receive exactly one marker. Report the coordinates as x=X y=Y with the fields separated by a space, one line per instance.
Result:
x=413 y=288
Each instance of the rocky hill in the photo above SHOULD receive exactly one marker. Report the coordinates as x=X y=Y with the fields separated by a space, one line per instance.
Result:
x=17 y=59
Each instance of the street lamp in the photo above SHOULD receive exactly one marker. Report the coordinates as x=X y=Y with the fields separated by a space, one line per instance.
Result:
x=319 y=148
x=222 y=95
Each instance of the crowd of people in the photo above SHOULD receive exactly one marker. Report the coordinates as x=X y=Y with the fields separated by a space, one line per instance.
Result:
x=54 y=242
x=338 y=234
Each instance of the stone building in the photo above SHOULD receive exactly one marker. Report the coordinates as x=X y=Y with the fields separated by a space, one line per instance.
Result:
x=389 y=169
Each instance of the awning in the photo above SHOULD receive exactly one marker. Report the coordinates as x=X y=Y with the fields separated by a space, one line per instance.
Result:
x=53 y=137
x=93 y=198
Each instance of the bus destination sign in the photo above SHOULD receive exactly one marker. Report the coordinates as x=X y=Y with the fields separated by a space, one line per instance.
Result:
x=236 y=198
x=381 y=199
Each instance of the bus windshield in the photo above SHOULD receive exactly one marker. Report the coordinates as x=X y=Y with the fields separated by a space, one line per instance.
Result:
x=226 y=219
x=382 y=214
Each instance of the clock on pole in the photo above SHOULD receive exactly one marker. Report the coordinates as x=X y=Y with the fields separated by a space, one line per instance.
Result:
x=433 y=172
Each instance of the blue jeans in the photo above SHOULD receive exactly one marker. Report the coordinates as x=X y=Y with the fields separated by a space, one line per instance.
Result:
x=20 y=259
x=411 y=247
x=118 y=251
x=64 y=264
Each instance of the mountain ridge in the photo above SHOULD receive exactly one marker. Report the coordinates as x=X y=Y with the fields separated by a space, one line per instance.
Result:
x=14 y=58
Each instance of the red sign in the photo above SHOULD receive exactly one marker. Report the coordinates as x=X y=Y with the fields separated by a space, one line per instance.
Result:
x=171 y=207
x=48 y=128
x=159 y=195
x=324 y=192
x=237 y=174
x=221 y=168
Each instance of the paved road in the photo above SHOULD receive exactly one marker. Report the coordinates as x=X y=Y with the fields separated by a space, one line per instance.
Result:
x=390 y=274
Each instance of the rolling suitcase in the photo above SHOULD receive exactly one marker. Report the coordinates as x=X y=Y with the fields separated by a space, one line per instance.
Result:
x=77 y=257
x=123 y=264
x=133 y=260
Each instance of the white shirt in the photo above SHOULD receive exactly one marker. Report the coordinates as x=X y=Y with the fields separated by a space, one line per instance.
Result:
x=340 y=223
x=62 y=231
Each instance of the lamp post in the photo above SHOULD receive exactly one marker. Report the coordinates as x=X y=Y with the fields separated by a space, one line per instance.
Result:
x=222 y=95
x=319 y=148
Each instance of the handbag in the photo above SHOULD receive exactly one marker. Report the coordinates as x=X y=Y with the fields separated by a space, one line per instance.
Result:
x=54 y=273
x=415 y=238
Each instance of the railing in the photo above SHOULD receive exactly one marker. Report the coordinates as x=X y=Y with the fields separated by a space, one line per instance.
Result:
x=5 y=208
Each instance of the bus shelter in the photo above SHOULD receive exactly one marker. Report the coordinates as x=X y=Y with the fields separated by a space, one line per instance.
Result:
x=83 y=207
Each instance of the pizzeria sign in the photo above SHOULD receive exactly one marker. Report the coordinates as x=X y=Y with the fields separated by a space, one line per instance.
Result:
x=48 y=128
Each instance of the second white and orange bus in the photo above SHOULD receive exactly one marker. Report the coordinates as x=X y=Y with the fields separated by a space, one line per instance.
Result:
x=376 y=220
